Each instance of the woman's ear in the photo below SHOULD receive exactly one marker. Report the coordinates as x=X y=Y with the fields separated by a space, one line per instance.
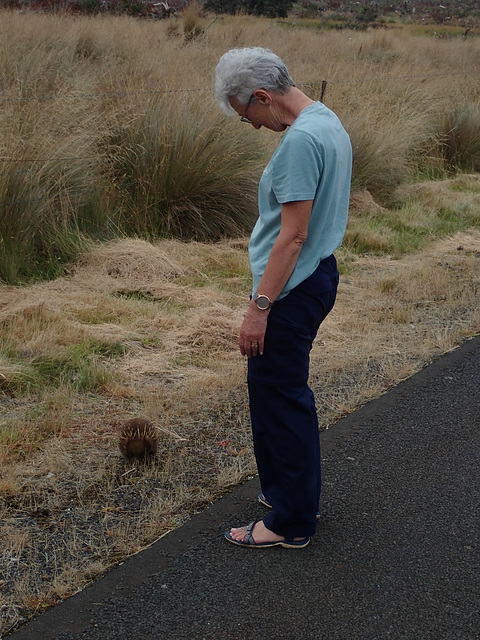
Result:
x=262 y=96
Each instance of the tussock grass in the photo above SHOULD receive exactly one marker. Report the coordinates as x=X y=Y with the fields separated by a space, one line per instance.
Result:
x=108 y=125
x=460 y=138
x=181 y=174
x=51 y=203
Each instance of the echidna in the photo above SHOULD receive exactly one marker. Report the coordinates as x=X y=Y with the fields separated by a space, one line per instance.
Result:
x=138 y=439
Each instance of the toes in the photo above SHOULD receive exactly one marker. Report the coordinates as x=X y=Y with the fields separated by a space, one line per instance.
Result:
x=238 y=534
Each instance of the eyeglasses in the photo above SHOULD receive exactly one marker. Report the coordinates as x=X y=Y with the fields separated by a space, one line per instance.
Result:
x=244 y=117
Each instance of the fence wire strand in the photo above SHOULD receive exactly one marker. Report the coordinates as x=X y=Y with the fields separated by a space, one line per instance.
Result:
x=323 y=84
x=123 y=94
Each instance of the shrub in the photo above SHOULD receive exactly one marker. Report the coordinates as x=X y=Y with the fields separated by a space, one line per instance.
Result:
x=192 y=21
x=50 y=189
x=43 y=223
x=181 y=174
x=459 y=139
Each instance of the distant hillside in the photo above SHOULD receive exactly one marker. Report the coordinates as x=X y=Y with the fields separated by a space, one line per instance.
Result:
x=431 y=11
x=465 y=13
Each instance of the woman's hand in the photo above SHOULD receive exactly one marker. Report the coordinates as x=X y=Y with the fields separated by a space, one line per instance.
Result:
x=252 y=331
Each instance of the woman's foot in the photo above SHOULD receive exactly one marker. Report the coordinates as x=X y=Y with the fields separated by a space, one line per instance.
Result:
x=260 y=534
x=257 y=535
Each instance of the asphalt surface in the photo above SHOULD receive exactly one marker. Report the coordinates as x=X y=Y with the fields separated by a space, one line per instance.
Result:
x=396 y=555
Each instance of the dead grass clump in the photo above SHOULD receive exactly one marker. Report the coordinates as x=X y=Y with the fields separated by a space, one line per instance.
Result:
x=193 y=22
x=364 y=237
x=27 y=316
x=17 y=378
x=131 y=260
x=33 y=328
x=215 y=334
x=362 y=201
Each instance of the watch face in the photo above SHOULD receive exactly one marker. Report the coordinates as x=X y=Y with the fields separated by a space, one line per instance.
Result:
x=262 y=302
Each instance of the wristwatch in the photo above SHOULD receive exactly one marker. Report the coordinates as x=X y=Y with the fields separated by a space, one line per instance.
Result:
x=263 y=302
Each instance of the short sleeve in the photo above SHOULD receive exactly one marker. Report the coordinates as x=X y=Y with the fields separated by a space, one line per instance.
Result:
x=296 y=168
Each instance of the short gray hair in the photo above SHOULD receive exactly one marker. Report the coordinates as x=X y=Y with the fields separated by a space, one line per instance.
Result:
x=240 y=71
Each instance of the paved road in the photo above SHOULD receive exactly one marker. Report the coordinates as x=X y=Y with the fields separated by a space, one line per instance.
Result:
x=396 y=556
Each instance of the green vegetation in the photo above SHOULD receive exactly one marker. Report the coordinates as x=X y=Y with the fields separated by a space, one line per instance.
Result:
x=81 y=367
x=408 y=229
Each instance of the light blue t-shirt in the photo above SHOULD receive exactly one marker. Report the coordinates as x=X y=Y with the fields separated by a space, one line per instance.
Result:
x=312 y=162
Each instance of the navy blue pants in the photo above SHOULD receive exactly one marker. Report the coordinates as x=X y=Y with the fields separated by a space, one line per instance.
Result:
x=282 y=406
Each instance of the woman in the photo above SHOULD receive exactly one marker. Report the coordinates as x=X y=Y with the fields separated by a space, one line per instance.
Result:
x=303 y=209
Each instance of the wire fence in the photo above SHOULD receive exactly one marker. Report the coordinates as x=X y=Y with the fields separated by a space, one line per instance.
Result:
x=323 y=85
x=122 y=94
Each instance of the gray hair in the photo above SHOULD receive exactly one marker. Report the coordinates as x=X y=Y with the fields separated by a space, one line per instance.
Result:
x=240 y=71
